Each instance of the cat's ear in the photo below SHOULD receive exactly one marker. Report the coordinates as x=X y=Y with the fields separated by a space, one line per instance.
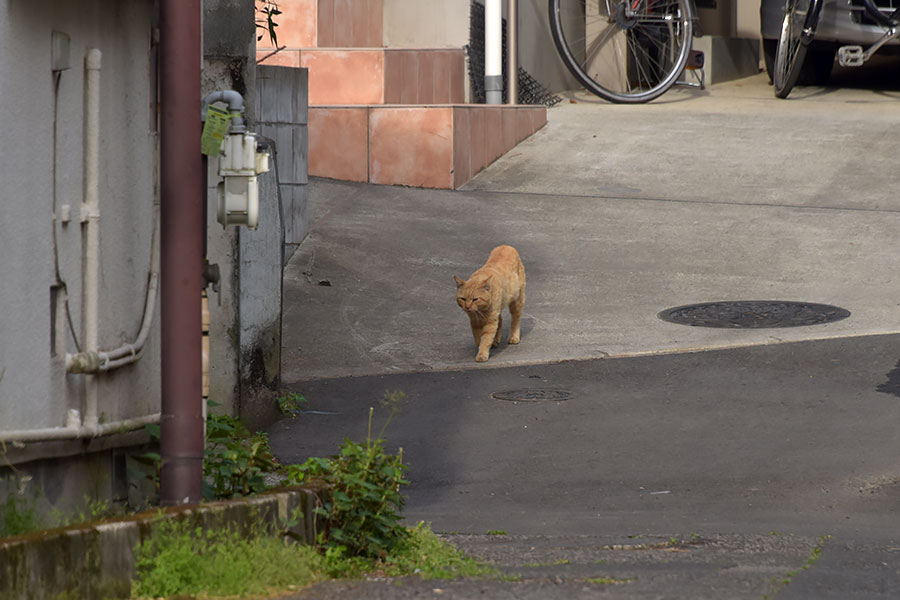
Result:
x=459 y=282
x=486 y=286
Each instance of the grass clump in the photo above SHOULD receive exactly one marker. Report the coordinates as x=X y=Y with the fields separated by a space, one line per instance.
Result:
x=423 y=553
x=179 y=561
x=18 y=516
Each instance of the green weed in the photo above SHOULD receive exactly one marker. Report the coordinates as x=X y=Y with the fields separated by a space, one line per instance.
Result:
x=814 y=556
x=362 y=513
x=184 y=561
x=291 y=405
x=235 y=463
x=608 y=580
x=181 y=561
x=19 y=516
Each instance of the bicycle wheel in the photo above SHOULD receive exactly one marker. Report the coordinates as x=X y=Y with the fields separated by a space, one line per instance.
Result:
x=625 y=51
x=797 y=31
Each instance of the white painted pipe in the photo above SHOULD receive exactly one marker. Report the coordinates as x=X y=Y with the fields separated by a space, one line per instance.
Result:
x=493 y=51
x=74 y=431
x=101 y=361
x=512 y=44
x=90 y=214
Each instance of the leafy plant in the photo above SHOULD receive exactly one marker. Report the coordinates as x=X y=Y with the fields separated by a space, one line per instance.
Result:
x=291 y=405
x=91 y=509
x=152 y=460
x=235 y=462
x=266 y=11
x=19 y=515
x=363 y=512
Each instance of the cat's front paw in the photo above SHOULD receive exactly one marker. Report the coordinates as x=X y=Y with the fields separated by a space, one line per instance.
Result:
x=514 y=339
x=481 y=357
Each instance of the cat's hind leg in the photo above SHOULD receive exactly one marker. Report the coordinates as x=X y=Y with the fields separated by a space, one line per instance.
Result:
x=516 y=308
x=496 y=341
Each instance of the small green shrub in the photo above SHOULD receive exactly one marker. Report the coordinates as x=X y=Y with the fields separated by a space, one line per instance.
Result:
x=363 y=511
x=291 y=405
x=235 y=463
x=19 y=516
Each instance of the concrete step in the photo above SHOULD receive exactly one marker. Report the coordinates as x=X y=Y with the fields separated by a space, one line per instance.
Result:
x=379 y=75
x=435 y=146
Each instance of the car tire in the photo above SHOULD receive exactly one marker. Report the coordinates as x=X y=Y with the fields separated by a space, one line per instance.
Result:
x=817 y=65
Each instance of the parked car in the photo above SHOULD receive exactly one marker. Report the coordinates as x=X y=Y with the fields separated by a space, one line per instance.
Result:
x=842 y=22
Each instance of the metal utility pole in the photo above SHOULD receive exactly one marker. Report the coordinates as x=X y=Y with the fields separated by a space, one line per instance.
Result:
x=181 y=237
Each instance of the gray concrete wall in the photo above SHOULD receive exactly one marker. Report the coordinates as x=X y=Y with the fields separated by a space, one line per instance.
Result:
x=432 y=24
x=245 y=328
x=97 y=560
x=282 y=97
x=42 y=174
x=228 y=40
x=537 y=54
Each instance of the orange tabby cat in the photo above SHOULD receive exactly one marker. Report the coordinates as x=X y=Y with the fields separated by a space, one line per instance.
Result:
x=500 y=283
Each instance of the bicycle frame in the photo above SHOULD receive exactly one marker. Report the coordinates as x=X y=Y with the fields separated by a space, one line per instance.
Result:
x=854 y=55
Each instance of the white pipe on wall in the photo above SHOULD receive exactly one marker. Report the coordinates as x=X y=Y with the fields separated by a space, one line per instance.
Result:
x=493 y=51
x=90 y=215
x=101 y=361
x=74 y=431
x=512 y=45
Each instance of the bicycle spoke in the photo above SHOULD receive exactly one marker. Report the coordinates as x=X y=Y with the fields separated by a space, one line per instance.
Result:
x=621 y=54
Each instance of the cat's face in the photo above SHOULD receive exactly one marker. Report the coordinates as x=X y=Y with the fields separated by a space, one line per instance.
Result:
x=473 y=297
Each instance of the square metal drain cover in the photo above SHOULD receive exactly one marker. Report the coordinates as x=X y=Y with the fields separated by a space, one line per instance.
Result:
x=754 y=314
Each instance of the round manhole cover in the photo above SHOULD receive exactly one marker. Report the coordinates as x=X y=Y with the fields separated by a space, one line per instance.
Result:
x=754 y=314
x=532 y=395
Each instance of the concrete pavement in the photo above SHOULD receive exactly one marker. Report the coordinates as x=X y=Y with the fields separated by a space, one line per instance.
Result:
x=618 y=212
x=735 y=438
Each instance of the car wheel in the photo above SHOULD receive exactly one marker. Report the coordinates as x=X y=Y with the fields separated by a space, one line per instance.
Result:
x=769 y=48
x=818 y=64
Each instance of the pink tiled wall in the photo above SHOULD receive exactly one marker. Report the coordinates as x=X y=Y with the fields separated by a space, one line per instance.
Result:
x=482 y=134
x=327 y=24
x=411 y=146
x=283 y=58
x=424 y=76
x=350 y=23
x=380 y=76
x=338 y=143
x=296 y=25
x=423 y=146
x=344 y=76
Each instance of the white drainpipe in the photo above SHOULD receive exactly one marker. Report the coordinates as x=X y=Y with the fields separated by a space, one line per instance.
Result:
x=100 y=360
x=493 y=52
x=90 y=216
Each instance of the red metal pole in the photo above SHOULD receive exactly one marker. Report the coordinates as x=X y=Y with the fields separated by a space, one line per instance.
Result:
x=181 y=436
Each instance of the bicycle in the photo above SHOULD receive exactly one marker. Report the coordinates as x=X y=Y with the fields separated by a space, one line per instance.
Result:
x=801 y=17
x=625 y=51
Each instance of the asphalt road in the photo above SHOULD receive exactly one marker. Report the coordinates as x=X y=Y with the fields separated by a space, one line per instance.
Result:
x=685 y=462
x=748 y=452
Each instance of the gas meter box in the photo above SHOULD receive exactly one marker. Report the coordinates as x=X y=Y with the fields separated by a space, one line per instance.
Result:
x=239 y=164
